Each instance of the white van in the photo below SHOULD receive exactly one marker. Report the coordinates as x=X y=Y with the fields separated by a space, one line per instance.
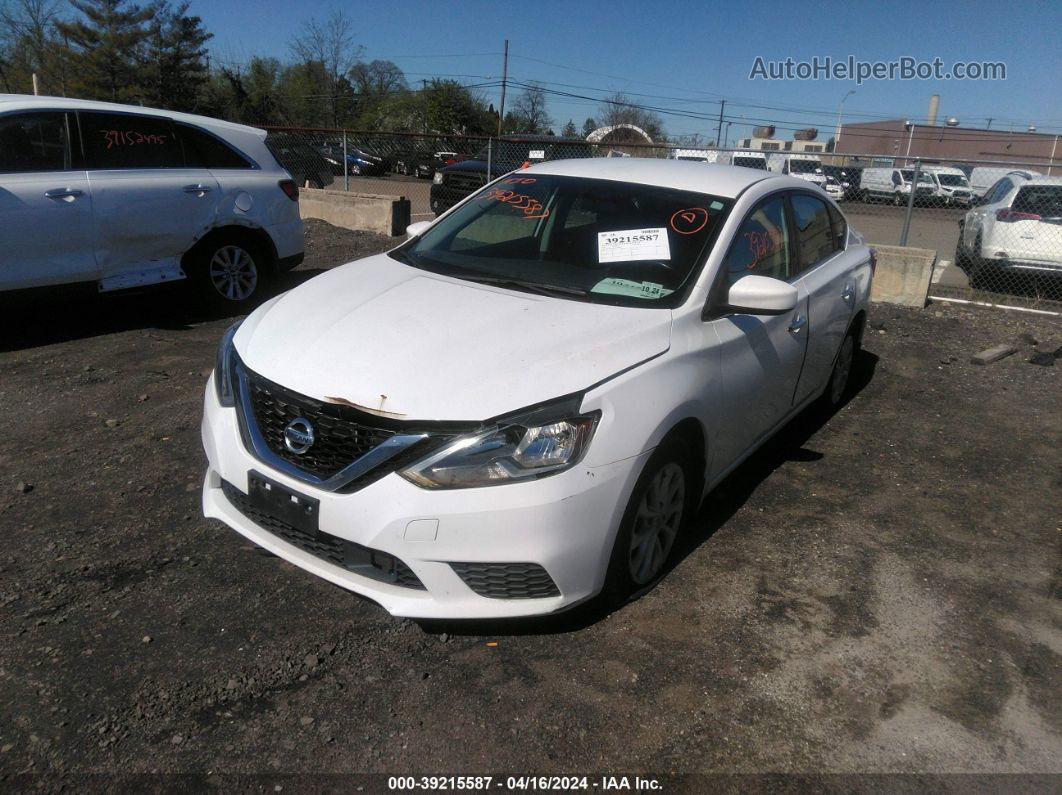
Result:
x=801 y=166
x=745 y=159
x=894 y=184
x=950 y=185
x=694 y=155
x=984 y=177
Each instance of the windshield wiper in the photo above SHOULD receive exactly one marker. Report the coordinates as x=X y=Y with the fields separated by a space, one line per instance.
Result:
x=504 y=281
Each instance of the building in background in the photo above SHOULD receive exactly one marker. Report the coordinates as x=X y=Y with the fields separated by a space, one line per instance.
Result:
x=898 y=140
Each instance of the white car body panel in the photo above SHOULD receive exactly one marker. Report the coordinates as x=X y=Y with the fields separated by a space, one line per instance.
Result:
x=1019 y=244
x=482 y=351
x=391 y=338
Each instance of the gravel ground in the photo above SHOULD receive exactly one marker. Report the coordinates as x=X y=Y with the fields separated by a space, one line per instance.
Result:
x=875 y=591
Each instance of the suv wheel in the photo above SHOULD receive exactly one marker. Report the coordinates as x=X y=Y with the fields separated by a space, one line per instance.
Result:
x=230 y=271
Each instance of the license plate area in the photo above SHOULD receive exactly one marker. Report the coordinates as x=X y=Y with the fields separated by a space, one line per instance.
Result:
x=290 y=507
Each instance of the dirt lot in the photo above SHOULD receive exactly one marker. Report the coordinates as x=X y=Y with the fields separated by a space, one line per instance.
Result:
x=876 y=591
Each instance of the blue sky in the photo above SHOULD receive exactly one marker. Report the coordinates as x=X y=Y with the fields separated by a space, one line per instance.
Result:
x=686 y=56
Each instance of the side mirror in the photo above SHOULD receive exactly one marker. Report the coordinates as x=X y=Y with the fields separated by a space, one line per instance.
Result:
x=417 y=229
x=761 y=295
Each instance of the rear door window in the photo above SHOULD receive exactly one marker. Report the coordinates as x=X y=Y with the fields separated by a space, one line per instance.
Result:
x=814 y=236
x=127 y=140
x=34 y=142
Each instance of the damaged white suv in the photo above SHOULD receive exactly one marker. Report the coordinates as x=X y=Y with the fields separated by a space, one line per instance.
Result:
x=523 y=404
x=123 y=196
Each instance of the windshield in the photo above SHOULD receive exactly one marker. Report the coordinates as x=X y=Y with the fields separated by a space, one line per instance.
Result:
x=1043 y=200
x=751 y=162
x=593 y=240
x=805 y=167
x=908 y=175
x=953 y=180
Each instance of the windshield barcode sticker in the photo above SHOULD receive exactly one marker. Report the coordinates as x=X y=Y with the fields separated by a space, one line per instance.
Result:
x=630 y=245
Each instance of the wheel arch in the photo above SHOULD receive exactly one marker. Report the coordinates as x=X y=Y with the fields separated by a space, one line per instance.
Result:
x=255 y=234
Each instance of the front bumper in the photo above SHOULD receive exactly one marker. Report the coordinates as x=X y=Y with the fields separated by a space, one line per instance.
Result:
x=565 y=524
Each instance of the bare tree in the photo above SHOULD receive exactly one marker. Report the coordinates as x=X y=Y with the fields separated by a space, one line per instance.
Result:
x=27 y=34
x=529 y=110
x=331 y=44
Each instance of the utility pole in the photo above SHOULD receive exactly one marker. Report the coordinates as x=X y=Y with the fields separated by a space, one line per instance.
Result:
x=990 y=120
x=505 y=77
x=719 y=132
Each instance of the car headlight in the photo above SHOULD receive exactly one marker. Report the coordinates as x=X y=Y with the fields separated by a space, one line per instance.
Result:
x=225 y=368
x=542 y=442
x=438 y=178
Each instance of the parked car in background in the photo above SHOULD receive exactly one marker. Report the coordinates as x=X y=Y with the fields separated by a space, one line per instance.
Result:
x=847 y=177
x=125 y=196
x=305 y=164
x=894 y=185
x=834 y=189
x=984 y=177
x=358 y=161
x=1016 y=229
x=453 y=183
x=951 y=186
x=560 y=369
x=800 y=165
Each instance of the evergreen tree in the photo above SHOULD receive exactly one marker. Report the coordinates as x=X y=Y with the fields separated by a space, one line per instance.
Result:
x=570 y=130
x=589 y=126
x=105 y=43
x=175 y=69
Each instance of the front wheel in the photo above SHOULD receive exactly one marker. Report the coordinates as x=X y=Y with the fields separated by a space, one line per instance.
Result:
x=658 y=510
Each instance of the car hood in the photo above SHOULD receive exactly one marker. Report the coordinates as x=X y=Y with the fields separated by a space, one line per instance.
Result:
x=409 y=344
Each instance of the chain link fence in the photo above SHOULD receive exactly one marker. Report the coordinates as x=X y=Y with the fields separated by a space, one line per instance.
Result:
x=996 y=227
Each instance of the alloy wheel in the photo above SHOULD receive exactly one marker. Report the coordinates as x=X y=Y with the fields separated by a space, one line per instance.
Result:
x=657 y=523
x=233 y=273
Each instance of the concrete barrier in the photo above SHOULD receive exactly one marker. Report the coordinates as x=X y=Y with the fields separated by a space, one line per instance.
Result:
x=385 y=215
x=903 y=275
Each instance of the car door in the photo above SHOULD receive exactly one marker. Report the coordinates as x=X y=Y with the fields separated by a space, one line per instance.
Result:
x=825 y=270
x=761 y=356
x=149 y=207
x=45 y=202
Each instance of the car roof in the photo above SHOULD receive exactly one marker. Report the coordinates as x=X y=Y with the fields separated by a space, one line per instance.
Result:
x=1044 y=181
x=717 y=180
x=10 y=102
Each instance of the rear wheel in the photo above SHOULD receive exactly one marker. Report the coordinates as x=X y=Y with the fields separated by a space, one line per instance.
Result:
x=229 y=271
x=837 y=388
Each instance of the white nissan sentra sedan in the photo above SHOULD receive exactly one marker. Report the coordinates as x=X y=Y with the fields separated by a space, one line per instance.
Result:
x=523 y=404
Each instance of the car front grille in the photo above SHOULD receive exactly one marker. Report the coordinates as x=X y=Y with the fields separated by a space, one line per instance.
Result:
x=464 y=181
x=339 y=438
x=371 y=563
x=507 y=580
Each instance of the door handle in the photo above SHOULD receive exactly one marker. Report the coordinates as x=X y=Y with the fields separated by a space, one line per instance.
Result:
x=197 y=189
x=63 y=193
x=798 y=325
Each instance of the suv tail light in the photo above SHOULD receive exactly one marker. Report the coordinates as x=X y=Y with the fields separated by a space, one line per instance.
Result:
x=291 y=190
x=1006 y=215
x=873 y=261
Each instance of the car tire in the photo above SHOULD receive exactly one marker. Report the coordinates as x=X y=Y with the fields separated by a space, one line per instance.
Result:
x=652 y=522
x=979 y=272
x=837 y=387
x=229 y=271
